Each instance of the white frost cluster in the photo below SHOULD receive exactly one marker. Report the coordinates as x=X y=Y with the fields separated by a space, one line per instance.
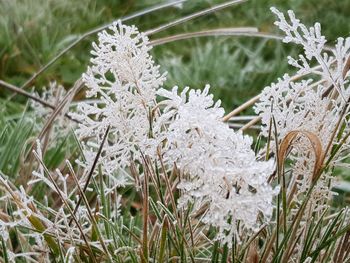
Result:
x=122 y=82
x=313 y=103
x=53 y=94
x=218 y=172
x=24 y=211
x=27 y=212
x=219 y=168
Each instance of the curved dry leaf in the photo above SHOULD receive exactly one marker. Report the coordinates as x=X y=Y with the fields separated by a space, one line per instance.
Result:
x=287 y=143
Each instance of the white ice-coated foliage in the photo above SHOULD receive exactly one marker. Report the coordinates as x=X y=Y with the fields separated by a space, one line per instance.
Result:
x=4 y=230
x=313 y=104
x=218 y=166
x=54 y=94
x=330 y=64
x=122 y=82
x=220 y=180
x=24 y=212
x=27 y=213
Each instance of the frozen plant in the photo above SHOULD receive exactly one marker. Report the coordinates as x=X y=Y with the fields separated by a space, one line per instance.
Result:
x=54 y=94
x=121 y=82
x=219 y=168
x=51 y=222
x=195 y=191
x=314 y=104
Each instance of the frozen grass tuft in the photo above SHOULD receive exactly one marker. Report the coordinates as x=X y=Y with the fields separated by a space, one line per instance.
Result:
x=125 y=170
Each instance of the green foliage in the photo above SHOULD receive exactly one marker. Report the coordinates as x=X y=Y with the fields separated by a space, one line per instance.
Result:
x=33 y=31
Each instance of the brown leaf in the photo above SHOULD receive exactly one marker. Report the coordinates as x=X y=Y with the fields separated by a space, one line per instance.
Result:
x=315 y=142
x=252 y=256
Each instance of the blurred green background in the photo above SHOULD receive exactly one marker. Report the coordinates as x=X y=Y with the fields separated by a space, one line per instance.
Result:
x=33 y=31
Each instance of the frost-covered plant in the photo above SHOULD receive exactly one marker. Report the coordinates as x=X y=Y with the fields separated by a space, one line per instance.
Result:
x=199 y=191
x=292 y=102
x=54 y=94
x=313 y=104
x=213 y=157
x=219 y=168
x=122 y=82
x=55 y=224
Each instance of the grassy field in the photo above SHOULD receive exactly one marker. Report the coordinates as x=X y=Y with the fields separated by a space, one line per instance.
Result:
x=33 y=31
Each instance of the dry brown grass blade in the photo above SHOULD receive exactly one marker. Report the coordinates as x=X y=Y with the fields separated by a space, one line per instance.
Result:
x=287 y=143
x=239 y=31
x=193 y=16
x=18 y=90
x=154 y=236
x=342 y=249
x=250 y=124
x=242 y=107
x=253 y=255
x=24 y=93
x=91 y=171
x=145 y=211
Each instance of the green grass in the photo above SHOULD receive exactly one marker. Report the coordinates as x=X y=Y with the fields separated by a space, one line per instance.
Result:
x=34 y=31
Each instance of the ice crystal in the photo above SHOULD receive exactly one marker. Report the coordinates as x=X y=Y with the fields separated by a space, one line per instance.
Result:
x=27 y=212
x=53 y=94
x=219 y=168
x=4 y=230
x=312 y=104
x=123 y=80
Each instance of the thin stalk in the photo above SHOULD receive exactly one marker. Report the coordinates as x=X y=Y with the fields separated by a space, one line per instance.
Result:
x=239 y=31
x=250 y=123
x=86 y=202
x=167 y=182
x=193 y=16
x=163 y=236
x=242 y=107
x=279 y=176
x=20 y=91
x=91 y=172
x=145 y=211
